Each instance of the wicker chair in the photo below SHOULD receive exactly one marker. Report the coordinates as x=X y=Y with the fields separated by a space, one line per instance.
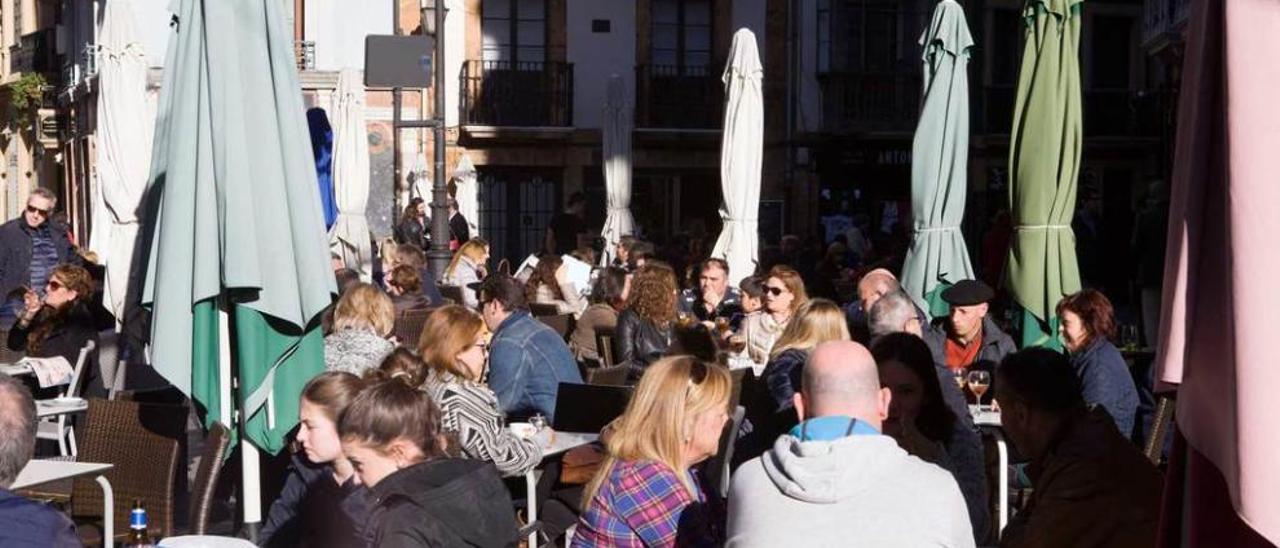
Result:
x=202 y=491
x=452 y=294
x=542 y=309
x=610 y=376
x=8 y=355
x=561 y=323
x=409 y=326
x=141 y=441
x=604 y=347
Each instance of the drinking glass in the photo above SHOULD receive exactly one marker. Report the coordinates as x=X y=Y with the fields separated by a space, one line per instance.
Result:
x=958 y=376
x=538 y=421
x=1129 y=337
x=978 y=383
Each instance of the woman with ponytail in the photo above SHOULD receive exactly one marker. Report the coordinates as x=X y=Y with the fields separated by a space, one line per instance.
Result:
x=391 y=434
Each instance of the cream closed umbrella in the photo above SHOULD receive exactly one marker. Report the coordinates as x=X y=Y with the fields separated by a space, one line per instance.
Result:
x=124 y=149
x=349 y=236
x=617 y=167
x=468 y=193
x=741 y=152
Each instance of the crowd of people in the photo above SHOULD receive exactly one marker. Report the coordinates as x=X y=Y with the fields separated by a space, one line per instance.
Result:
x=854 y=427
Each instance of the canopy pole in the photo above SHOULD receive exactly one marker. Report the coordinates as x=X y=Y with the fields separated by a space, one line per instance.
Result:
x=250 y=473
x=439 y=255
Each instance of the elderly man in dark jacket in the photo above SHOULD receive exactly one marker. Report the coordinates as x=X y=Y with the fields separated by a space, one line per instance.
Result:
x=30 y=246
x=24 y=522
x=967 y=338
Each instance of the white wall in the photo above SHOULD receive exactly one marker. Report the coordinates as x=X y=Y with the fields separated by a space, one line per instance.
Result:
x=750 y=14
x=597 y=56
x=338 y=28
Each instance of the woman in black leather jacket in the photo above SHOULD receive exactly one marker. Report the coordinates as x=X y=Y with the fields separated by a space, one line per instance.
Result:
x=60 y=324
x=644 y=328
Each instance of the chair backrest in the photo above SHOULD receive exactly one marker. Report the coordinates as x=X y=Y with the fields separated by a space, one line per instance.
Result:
x=77 y=373
x=451 y=293
x=141 y=440
x=408 y=327
x=604 y=347
x=607 y=376
x=215 y=448
x=543 y=309
x=717 y=467
x=739 y=378
x=561 y=323
x=8 y=355
x=588 y=407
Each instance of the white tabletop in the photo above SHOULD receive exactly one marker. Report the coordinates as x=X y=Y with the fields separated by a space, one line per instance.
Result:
x=60 y=406
x=564 y=441
x=985 y=417
x=204 y=541
x=15 y=369
x=38 y=472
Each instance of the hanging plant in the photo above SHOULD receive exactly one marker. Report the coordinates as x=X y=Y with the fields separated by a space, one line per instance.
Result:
x=24 y=97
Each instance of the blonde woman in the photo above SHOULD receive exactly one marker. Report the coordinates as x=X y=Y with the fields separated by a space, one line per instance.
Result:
x=784 y=294
x=454 y=348
x=646 y=492
x=816 y=321
x=468 y=267
x=363 y=321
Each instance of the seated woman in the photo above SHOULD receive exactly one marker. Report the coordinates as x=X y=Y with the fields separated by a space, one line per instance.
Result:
x=323 y=503
x=922 y=423
x=453 y=350
x=644 y=328
x=405 y=288
x=466 y=268
x=783 y=294
x=363 y=321
x=60 y=324
x=1087 y=327
x=548 y=285
x=608 y=298
x=646 y=492
x=391 y=433
x=816 y=321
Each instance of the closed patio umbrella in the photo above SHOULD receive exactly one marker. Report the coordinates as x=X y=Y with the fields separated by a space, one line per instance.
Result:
x=939 y=162
x=237 y=240
x=618 y=222
x=468 y=193
x=1044 y=162
x=124 y=149
x=741 y=153
x=349 y=236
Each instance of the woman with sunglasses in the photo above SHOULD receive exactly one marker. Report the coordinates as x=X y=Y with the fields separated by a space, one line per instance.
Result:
x=453 y=350
x=61 y=323
x=784 y=294
x=646 y=492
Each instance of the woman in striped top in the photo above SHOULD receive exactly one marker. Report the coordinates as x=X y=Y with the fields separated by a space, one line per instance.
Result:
x=454 y=347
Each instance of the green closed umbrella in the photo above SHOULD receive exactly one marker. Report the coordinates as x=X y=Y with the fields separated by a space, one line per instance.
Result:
x=939 y=163
x=1044 y=162
x=237 y=224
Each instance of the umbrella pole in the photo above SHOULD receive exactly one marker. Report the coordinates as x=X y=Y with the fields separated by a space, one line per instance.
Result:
x=250 y=474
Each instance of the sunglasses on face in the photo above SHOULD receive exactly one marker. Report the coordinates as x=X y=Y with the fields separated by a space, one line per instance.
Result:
x=775 y=291
x=41 y=212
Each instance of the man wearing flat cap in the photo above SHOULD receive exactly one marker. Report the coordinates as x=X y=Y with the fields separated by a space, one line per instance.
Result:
x=967 y=338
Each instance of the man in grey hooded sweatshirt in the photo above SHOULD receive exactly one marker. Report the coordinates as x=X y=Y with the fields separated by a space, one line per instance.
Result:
x=834 y=480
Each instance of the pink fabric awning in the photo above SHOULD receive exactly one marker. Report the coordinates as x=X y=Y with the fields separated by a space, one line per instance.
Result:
x=1221 y=307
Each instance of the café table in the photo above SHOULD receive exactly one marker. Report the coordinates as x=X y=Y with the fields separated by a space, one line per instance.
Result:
x=988 y=420
x=39 y=472
x=15 y=369
x=561 y=442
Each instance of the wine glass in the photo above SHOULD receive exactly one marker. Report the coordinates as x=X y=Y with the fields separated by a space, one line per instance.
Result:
x=958 y=376
x=1129 y=337
x=978 y=383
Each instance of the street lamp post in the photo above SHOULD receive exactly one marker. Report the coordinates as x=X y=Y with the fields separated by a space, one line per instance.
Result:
x=433 y=12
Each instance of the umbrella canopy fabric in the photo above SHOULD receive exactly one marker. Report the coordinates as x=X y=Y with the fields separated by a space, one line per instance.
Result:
x=124 y=150
x=1044 y=162
x=741 y=153
x=349 y=236
x=468 y=193
x=237 y=220
x=1221 y=267
x=618 y=222
x=939 y=162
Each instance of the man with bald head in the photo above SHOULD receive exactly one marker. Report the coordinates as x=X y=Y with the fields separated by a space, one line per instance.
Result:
x=871 y=288
x=835 y=480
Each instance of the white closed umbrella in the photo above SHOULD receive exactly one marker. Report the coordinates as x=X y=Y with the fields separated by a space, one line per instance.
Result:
x=618 y=222
x=468 y=193
x=349 y=236
x=741 y=152
x=124 y=149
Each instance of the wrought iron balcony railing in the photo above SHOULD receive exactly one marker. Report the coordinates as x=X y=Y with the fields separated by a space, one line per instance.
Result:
x=523 y=94
x=675 y=97
x=870 y=101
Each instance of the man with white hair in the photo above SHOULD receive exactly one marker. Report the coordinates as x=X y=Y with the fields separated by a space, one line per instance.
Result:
x=24 y=522
x=835 y=480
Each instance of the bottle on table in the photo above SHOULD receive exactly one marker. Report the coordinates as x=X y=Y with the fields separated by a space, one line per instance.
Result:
x=138 y=537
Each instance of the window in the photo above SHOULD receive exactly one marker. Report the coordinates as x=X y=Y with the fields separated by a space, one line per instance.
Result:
x=681 y=34
x=514 y=30
x=1006 y=46
x=1110 y=64
x=867 y=35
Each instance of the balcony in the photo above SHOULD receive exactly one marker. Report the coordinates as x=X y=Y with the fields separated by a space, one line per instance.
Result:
x=870 y=102
x=304 y=54
x=1107 y=113
x=1163 y=20
x=672 y=97
x=34 y=53
x=517 y=94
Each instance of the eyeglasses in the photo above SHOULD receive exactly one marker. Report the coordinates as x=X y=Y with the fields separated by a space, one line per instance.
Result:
x=42 y=212
x=775 y=291
x=55 y=285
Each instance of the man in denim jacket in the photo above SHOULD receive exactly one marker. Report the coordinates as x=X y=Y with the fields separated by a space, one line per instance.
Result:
x=527 y=359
